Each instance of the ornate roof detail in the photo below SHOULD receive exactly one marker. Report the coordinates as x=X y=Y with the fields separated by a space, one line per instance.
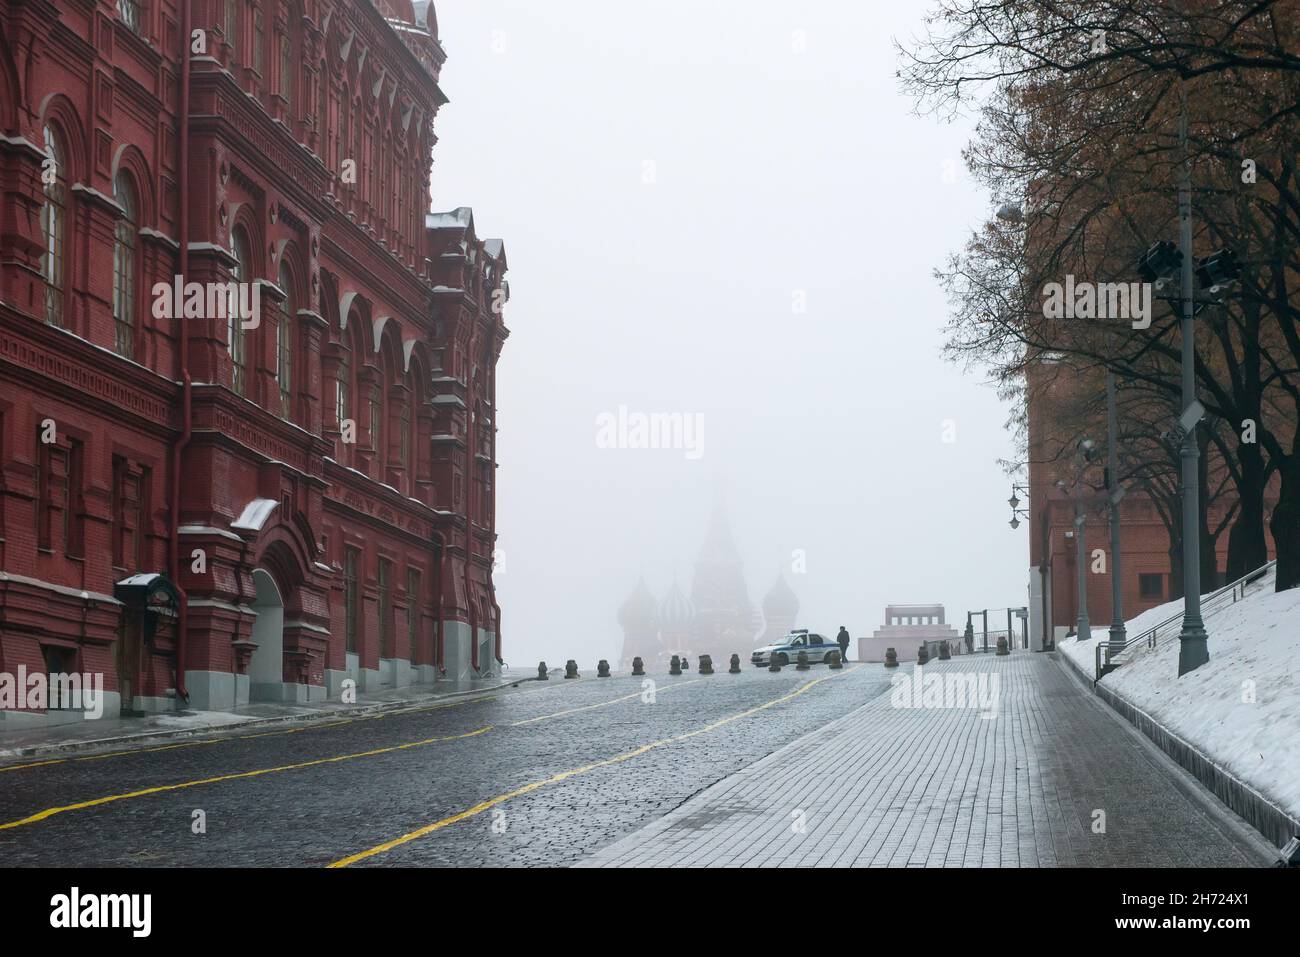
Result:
x=676 y=612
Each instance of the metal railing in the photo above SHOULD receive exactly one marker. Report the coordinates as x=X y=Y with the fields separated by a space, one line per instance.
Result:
x=1157 y=635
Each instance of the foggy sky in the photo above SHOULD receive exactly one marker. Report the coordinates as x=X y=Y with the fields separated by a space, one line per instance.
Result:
x=776 y=172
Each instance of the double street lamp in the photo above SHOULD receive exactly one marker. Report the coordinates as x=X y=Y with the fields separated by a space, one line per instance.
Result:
x=1217 y=272
x=1017 y=513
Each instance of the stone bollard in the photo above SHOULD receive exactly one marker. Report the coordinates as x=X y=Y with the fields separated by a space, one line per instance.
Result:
x=675 y=666
x=803 y=662
x=638 y=668
x=686 y=663
x=836 y=664
x=891 y=658
x=542 y=673
x=774 y=663
x=602 y=669
x=945 y=653
x=1002 y=648
x=735 y=665
x=571 y=669
x=922 y=656
x=706 y=664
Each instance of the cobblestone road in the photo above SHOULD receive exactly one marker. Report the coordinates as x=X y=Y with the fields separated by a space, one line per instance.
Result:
x=895 y=786
x=490 y=780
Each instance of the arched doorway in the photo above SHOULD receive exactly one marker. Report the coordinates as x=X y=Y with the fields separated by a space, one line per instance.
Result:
x=266 y=669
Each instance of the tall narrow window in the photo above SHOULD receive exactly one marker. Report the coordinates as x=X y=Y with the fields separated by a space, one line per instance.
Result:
x=377 y=425
x=373 y=194
x=343 y=143
x=128 y=511
x=129 y=11
x=124 y=267
x=51 y=495
x=385 y=608
x=54 y=225
x=413 y=612
x=58 y=491
x=235 y=334
x=322 y=113
x=383 y=211
x=259 y=44
x=284 y=344
x=404 y=449
x=343 y=391
x=286 y=73
x=232 y=30
x=351 y=602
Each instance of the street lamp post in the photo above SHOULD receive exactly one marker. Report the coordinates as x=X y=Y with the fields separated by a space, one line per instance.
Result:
x=1082 y=627
x=1217 y=273
x=1193 y=650
x=1085 y=454
x=1115 y=494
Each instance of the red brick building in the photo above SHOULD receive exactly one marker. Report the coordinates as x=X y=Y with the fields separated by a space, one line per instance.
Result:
x=211 y=509
x=1053 y=549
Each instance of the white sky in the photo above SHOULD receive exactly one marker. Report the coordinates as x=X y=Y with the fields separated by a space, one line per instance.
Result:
x=776 y=172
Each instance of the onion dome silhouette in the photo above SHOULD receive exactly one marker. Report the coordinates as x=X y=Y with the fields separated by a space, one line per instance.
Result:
x=780 y=602
x=638 y=612
x=676 y=612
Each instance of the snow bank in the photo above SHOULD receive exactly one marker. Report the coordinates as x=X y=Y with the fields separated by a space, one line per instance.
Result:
x=1243 y=707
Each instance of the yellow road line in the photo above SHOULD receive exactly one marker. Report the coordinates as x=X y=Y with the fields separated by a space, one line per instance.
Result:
x=249 y=737
x=332 y=724
x=111 y=799
x=602 y=704
x=565 y=775
x=34 y=764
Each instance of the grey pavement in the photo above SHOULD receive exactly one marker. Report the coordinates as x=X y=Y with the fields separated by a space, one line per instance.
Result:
x=889 y=786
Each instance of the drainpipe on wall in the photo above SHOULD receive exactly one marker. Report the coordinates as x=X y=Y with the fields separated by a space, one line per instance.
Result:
x=182 y=340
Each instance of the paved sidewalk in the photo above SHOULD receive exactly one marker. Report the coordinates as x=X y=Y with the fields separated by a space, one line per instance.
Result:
x=88 y=735
x=944 y=787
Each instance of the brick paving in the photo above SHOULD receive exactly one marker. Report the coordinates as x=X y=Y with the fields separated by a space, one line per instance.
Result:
x=889 y=786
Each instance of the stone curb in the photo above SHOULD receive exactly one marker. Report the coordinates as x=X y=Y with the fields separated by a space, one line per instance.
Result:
x=1256 y=809
x=72 y=747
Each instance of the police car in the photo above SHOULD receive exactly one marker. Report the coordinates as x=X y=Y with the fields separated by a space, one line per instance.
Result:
x=787 y=649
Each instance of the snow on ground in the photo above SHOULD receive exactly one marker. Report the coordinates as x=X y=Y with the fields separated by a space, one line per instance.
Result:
x=1243 y=707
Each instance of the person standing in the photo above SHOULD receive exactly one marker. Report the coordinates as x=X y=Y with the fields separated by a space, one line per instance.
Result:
x=843 y=639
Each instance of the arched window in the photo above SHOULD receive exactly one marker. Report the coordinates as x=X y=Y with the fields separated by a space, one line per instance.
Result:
x=54 y=225
x=124 y=266
x=236 y=337
x=284 y=335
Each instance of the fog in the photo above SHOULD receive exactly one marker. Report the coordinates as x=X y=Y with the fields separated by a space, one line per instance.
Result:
x=728 y=211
